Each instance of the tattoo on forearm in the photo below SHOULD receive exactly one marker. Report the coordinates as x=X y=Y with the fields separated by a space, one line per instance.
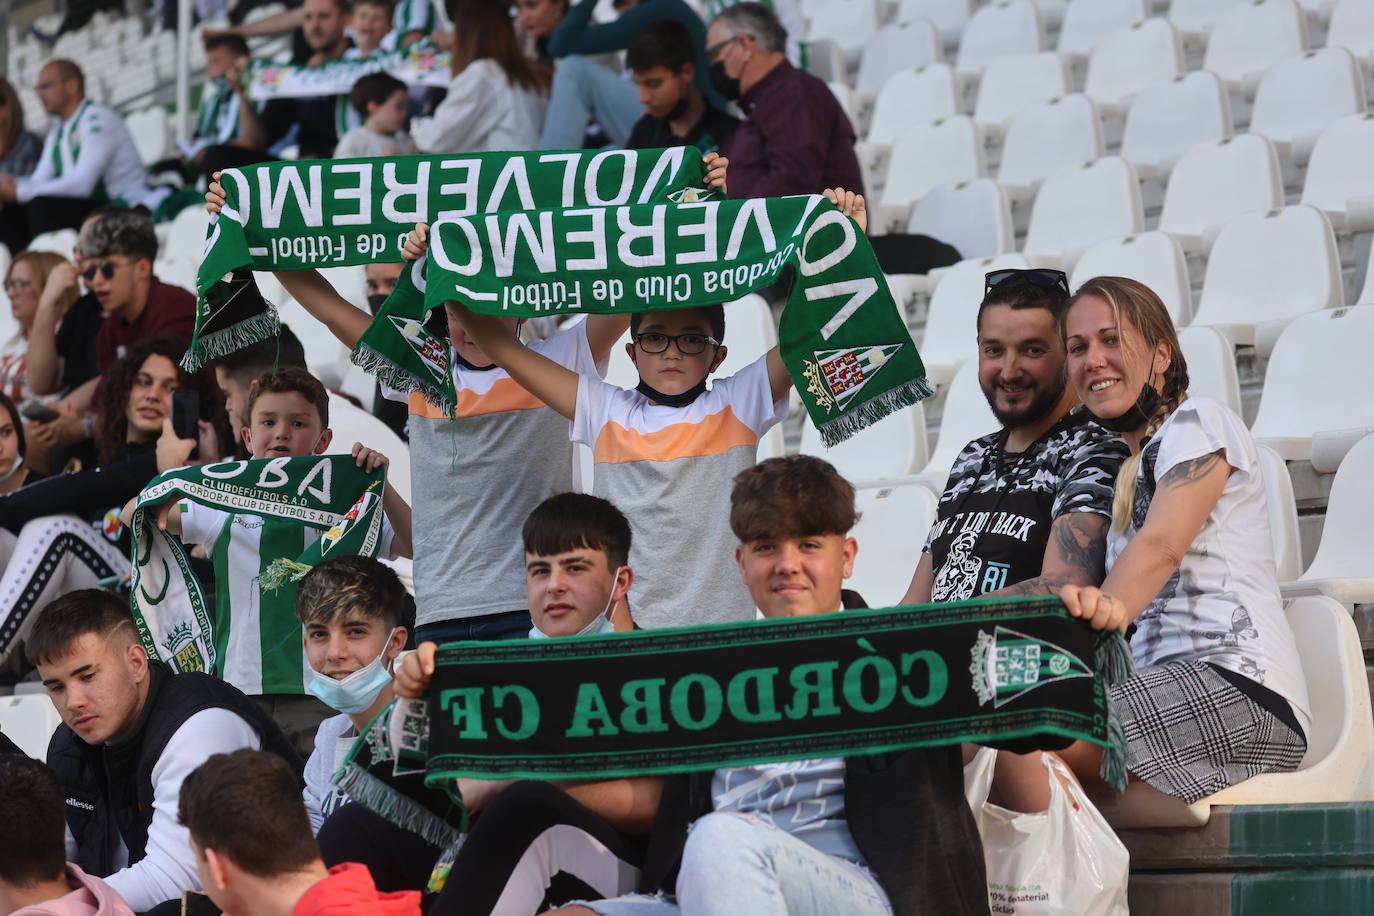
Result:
x=1082 y=541
x=1192 y=470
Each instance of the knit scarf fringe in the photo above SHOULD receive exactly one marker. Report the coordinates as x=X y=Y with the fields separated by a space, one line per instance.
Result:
x=207 y=345
x=384 y=801
x=835 y=431
x=391 y=375
x=1114 y=663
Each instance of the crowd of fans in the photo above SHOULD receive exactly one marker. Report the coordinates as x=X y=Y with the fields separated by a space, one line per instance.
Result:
x=1107 y=484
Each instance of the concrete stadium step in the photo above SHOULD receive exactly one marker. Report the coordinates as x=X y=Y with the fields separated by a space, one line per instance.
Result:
x=1317 y=860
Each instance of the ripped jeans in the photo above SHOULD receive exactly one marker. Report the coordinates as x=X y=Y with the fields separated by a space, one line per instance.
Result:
x=734 y=863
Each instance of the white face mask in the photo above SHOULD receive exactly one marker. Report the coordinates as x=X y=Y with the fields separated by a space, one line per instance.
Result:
x=13 y=468
x=599 y=624
x=357 y=691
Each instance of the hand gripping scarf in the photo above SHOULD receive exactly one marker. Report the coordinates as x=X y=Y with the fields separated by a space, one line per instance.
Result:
x=340 y=212
x=327 y=493
x=1016 y=673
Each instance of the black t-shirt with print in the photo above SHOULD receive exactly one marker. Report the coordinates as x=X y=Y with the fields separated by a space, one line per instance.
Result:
x=707 y=135
x=993 y=521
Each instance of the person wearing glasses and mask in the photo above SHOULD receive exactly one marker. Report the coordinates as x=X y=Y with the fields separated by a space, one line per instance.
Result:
x=795 y=137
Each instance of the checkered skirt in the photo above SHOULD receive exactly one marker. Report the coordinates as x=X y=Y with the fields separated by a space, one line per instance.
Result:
x=1190 y=733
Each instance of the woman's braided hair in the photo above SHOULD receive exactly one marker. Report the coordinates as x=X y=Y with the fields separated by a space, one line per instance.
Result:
x=1142 y=323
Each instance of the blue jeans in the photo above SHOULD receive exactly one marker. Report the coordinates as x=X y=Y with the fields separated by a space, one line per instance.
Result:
x=508 y=625
x=735 y=863
x=583 y=89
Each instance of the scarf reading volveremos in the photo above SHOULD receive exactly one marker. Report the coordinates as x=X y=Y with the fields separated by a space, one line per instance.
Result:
x=339 y=212
x=841 y=336
x=1015 y=673
x=419 y=64
x=327 y=493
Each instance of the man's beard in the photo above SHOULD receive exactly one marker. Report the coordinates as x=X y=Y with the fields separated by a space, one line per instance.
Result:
x=1040 y=406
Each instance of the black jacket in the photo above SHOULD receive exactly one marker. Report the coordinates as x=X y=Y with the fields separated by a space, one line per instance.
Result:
x=905 y=810
x=109 y=787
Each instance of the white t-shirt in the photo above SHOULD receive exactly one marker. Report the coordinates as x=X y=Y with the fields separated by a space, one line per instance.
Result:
x=333 y=740
x=483 y=112
x=1222 y=606
x=360 y=142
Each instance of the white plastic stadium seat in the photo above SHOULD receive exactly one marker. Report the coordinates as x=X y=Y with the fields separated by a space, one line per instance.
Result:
x=750 y=331
x=1218 y=180
x=1087 y=22
x=951 y=330
x=353 y=424
x=59 y=241
x=966 y=417
x=912 y=97
x=898 y=46
x=1197 y=15
x=973 y=216
x=1301 y=96
x=1015 y=82
x=1316 y=381
x=1352 y=27
x=1044 y=139
x=848 y=23
x=1239 y=295
x=1252 y=36
x=1078 y=207
x=1339 y=179
x=892 y=528
x=946 y=152
x=1153 y=258
x=1283 y=510
x=949 y=16
x=1005 y=27
x=1211 y=365
x=29 y=719
x=149 y=131
x=1339 y=764
x=1343 y=568
x=1169 y=117
x=895 y=446
x=1131 y=58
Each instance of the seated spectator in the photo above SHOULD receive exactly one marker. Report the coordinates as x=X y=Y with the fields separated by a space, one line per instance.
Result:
x=497 y=98
x=585 y=90
x=61 y=355
x=35 y=877
x=882 y=834
x=1218 y=694
x=371 y=27
x=26 y=282
x=19 y=146
x=662 y=60
x=88 y=157
x=223 y=117
x=379 y=100
x=64 y=529
x=251 y=841
x=14 y=472
x=536 y=21
x=131 y=732
x=795 y=137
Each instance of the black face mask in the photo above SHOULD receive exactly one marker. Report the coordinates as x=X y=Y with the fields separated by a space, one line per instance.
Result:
x=726 y=85
x=671 y=400
x=375 y=300
x=1137 y=416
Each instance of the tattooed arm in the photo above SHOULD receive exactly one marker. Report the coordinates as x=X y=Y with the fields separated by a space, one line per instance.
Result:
x=1184 y=497
x=1075 y=555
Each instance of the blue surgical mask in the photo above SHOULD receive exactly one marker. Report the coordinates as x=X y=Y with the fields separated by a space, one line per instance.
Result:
x=357 y=691
x=599 y=624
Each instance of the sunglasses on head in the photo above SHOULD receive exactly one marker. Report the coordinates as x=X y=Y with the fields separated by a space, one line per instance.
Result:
x=106 y=269
x=1036 y=276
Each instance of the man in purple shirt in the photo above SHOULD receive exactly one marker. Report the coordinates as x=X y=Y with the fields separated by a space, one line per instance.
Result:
x=795 y=138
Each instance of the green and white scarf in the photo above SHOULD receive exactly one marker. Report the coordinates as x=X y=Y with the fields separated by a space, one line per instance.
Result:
x=330 y=213
x=420 y=64
x=842 y=338
x=327 y=493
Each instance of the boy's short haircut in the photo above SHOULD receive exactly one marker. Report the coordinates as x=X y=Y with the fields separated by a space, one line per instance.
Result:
x=246 y=364
x=664 y=43
x=237 y=45
x=715 y=318
x=569 y=521
x=33 y=810
x=247 y=806
x=68 y=618
x=291 y=379
x=358 y=585
x=375 y=88
x=795 y=496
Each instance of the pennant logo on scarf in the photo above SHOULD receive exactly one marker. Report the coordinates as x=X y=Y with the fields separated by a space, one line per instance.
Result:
x=1007 y=665
x=844 y=372
x=432 y=351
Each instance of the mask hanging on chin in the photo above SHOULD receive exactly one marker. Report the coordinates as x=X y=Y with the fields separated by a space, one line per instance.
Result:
x=13 y=468
x=724 y=83
x=671 y=400
x=1136 y=416
x=356 y=692
x=599 y=624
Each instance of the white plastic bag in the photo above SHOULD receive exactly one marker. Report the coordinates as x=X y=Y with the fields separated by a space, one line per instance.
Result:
x=1059 y=862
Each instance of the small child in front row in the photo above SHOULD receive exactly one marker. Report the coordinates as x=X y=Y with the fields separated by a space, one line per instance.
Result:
x=380 y=100
x=664 y=450
x=288 y=417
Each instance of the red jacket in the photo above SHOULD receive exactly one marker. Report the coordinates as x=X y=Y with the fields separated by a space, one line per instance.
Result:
x=349 y=891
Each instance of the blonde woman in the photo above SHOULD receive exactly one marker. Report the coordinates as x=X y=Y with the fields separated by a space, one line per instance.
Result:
x=26 y=283
x=1218 y=694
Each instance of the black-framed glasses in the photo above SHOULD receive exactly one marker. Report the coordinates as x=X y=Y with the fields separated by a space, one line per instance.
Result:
x=687 y=344
x=106 y=269
x=1036 y=276
x=712 y=51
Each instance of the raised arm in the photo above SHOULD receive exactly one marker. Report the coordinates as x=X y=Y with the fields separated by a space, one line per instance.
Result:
x=44 y=365
x=554 y=384
x=317 y=296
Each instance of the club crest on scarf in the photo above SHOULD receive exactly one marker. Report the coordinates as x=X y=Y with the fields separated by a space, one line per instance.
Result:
x=1008 y=664
x=838 y=375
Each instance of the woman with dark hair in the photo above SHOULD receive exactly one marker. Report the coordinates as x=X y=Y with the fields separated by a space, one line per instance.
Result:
x=19 y=148
x=13 y=472
x=64 y=532
x=498 y=95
